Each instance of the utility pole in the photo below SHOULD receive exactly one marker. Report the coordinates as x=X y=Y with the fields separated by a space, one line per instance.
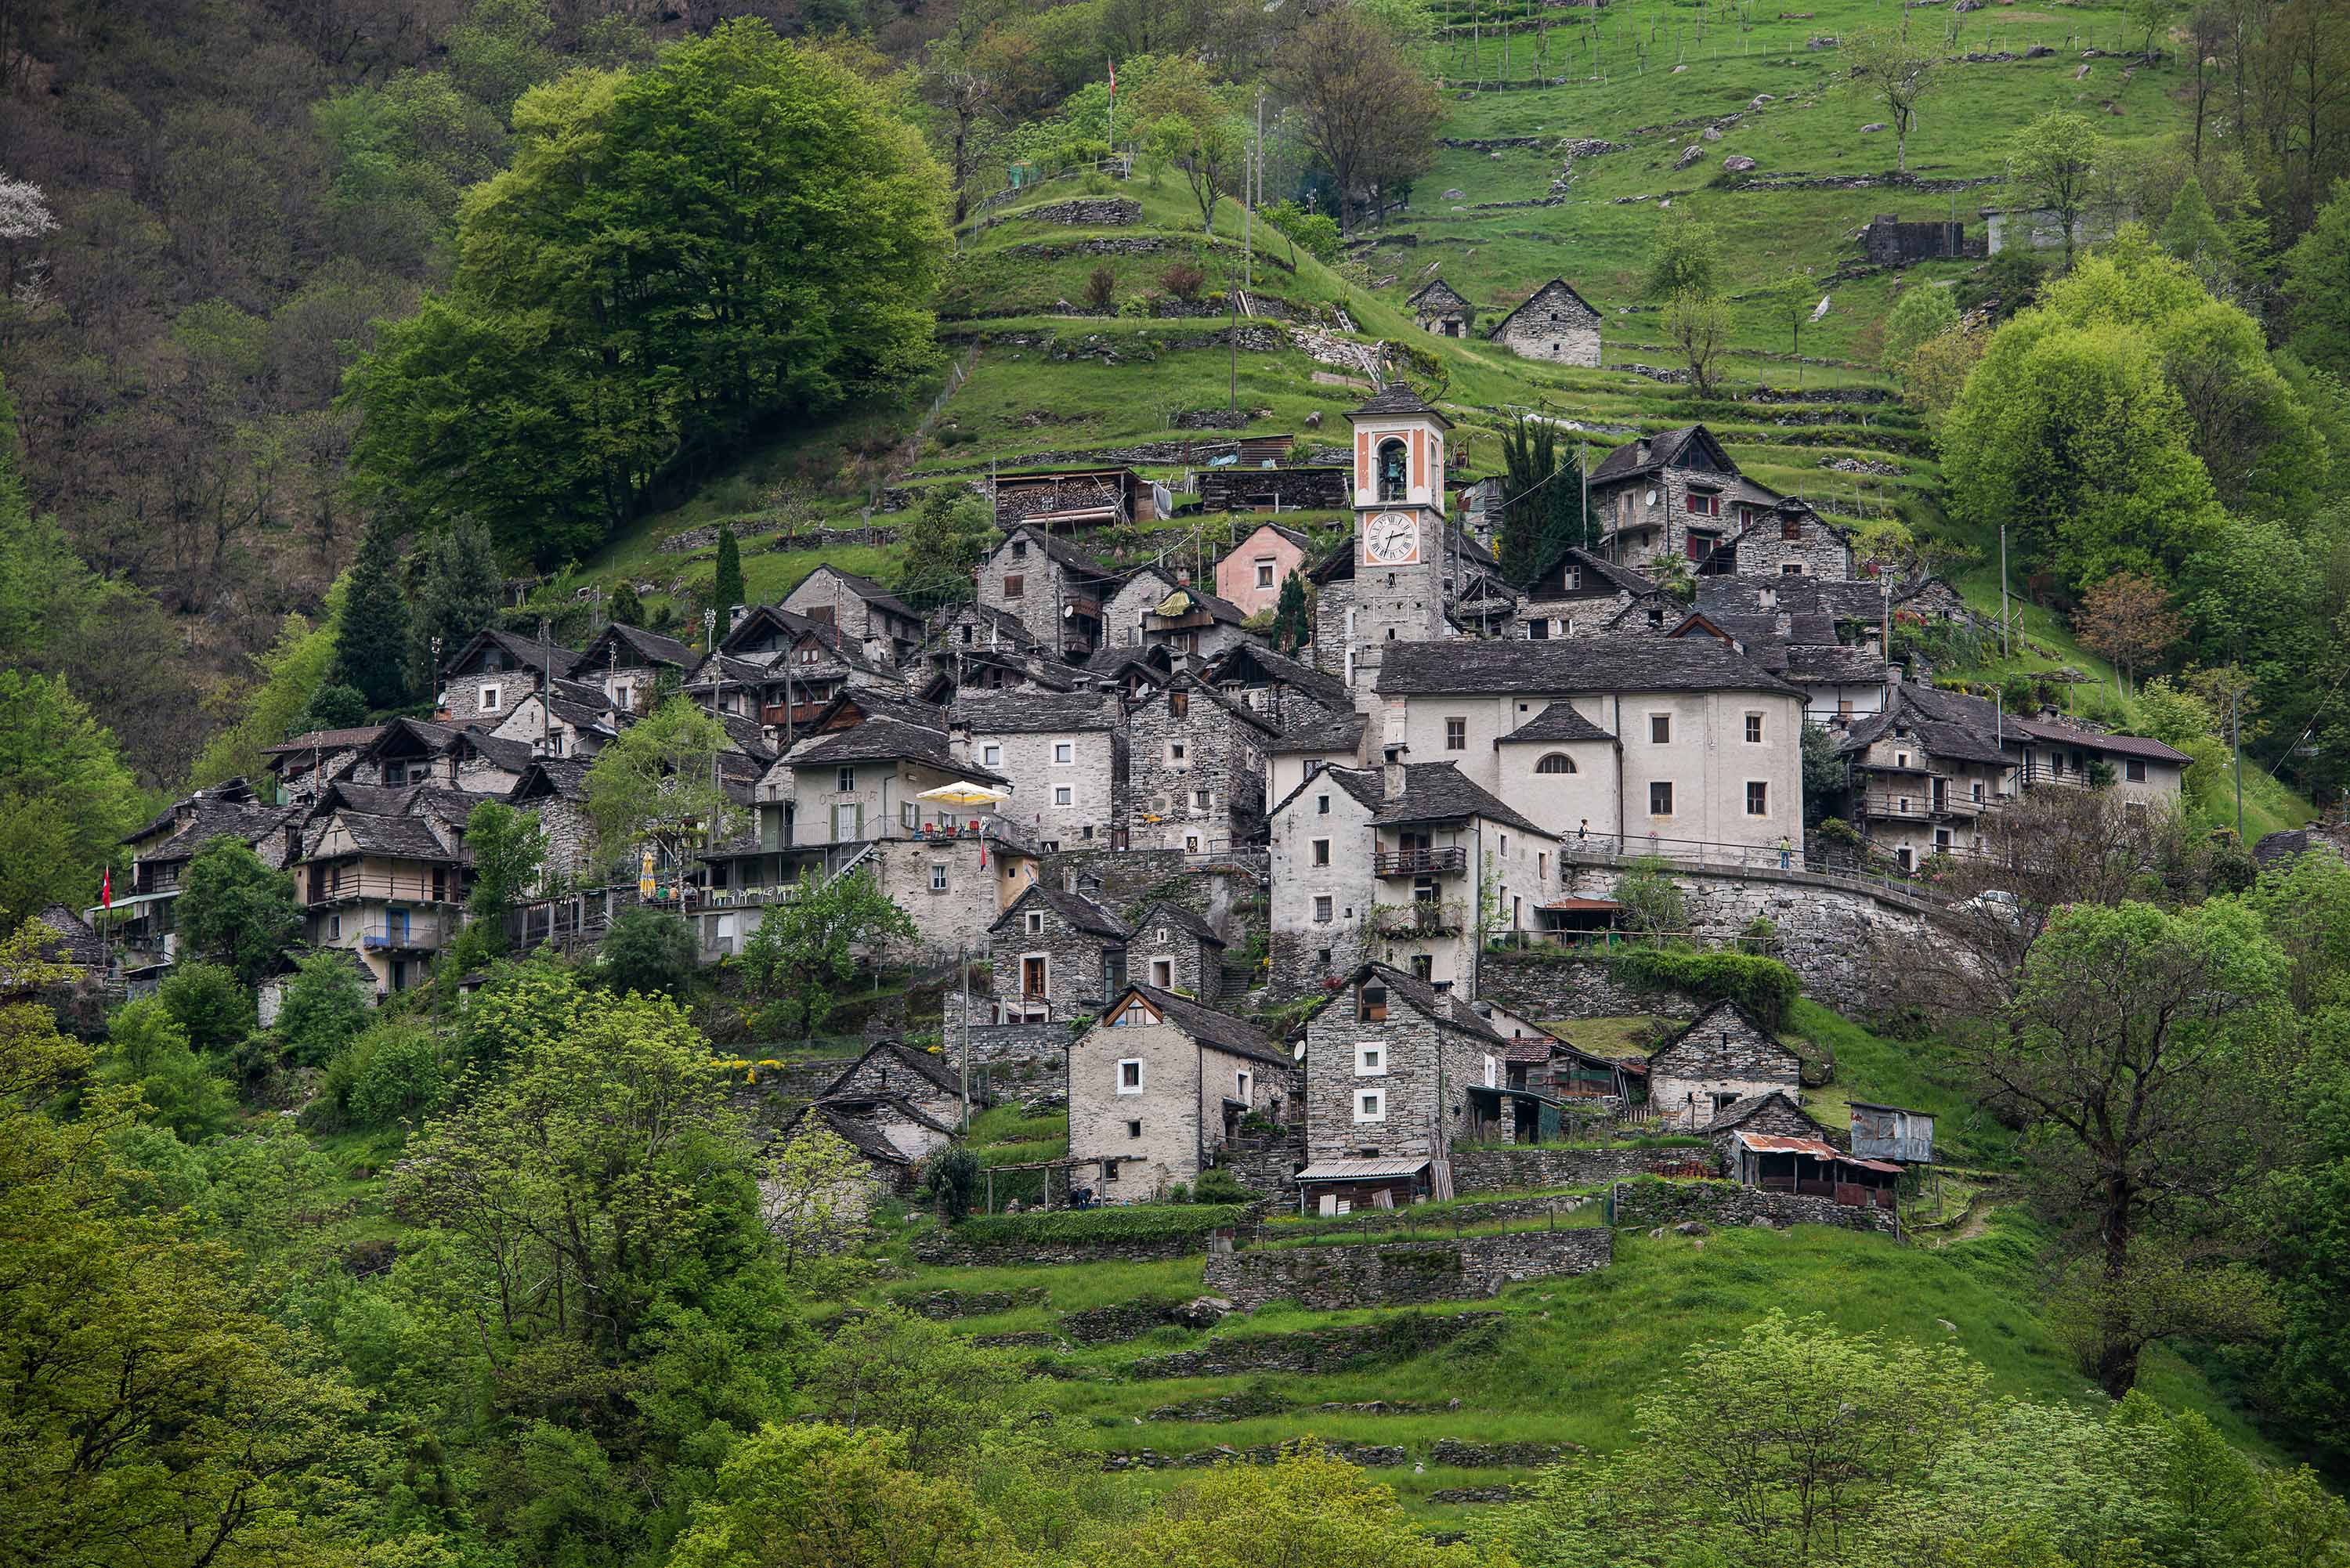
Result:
x=546 y=687
x=962 y=979
x=1232 y=343
x=2006 y=640
x=2236 y=746
x=710 y=650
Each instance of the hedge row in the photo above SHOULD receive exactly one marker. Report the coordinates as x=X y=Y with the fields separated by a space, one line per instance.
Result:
x=1764 y=986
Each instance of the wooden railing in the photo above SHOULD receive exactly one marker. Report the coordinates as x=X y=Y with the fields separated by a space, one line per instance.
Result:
x=1449 y=862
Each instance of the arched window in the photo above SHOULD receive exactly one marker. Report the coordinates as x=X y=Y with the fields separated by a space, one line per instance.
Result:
x=1393 y=481
x=1556 y=763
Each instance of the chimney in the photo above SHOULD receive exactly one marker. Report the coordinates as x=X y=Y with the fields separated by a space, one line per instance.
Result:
x=1785 y=623
x=1391 y=778
x=737 y=615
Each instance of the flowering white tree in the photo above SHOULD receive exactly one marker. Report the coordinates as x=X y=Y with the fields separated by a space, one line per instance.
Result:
x=24 y=216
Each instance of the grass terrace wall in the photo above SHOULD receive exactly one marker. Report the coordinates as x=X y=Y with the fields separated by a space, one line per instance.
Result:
x=1643 y=1205
x=1482 y=1171
x=1141 y=1235
x=1320 y=1351
x=1403 y=1273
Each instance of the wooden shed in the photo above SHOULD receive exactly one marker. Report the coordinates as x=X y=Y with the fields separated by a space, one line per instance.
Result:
x=1891 y=1132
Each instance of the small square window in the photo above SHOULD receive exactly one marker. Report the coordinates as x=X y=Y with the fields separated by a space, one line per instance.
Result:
x=1322 y=955
x=1370 y=1060
x=1130 y=1075
x=1321 y=852
x=1321 y=805
x=1791 y=530
x=490 y=699
x=1791 y=568
x=1064 y=752
x=1754 y=729
x=1372 y=1006
x=1321 y=911
x=2134 y=771
x=1178 y=703
x=1660 y=800
x=1134 y=1130
x=990 y=756
x=1264 y=574
x=1036 y=923
x=1370 y=1106
x=1758 y=799
x=1176 y=751
x=1015 y=585
x=1456 y=734
x=1063 y=795
x=1660 y=729
x=1019 y=549
x=1202 y=800
x=938 y=876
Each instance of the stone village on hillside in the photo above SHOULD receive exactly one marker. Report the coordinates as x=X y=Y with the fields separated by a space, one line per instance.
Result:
x=1264 y=912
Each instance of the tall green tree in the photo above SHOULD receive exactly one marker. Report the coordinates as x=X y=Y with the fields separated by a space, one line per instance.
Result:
x=1898 y=68
x=1684 y=256
x=66 y=799
x=2317 y=283
x=236 y=913
x=1293 y=622
x=741 y=234
x=1920 y=316
x=1543 y=512
x=954 y=533
x=805 y=949
x=508 y=847
x=2052 y=164
x=457 y=593
x=658 y=784
x=371 y=635
x=726 y=590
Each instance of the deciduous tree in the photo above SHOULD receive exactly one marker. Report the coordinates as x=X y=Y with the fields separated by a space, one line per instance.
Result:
x=1698 y=324
x=2126 y=619
x=234 y=910
x=1899 y=69
x=2052 y=164
x=1364 y=105
x=807 y=946
x=658 y=784
x=64 y=789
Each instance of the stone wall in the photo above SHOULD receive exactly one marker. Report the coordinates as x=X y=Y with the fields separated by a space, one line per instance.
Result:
x=1107 y=211
x=1369 y=1221
x=1403 y=1273
x=1889 y=242
x=1720 y=1058
x=1318 y=1352
x=942 y=1306
x=1123 y=880
x=1816 y=550
x=1241 y=489
x=1076 y=964
x=1642 y=1205
x=1000 y=1046
x=1552 y=327
x=1266 y=1166
x=1118 y=1321
x=1223 y=756
x=952 y=1251
x=1546 y=984
x=1483 y=1171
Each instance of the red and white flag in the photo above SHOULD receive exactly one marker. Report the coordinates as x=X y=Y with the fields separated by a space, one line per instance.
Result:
x=105 y=888
x=1113 y=78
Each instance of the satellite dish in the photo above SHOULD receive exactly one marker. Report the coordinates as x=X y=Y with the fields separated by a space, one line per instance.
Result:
x=1297 y=1051
x=1651 y=499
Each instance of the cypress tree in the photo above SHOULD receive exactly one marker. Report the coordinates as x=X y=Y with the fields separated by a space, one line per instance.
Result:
x=627 y=609
x=727 y=591
x=461 y=592
x=1290 y=632
x=371 y=638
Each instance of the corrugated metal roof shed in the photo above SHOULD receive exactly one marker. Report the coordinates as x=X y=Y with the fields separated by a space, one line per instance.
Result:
x=1361 y=1169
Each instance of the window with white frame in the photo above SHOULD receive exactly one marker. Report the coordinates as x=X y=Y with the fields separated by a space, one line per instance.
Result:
x=1491 y=1067
x=1370 y=1106
x=1322 y=911
x=1240 y=1086
x=1370 y=1059
x=1130 y=1075
x=1064 y=753
x=938 y=876
x=1063 y=795
x=1754 y=729
x=1036 y=922
x=490 y=696
x=1264 y=574
x=990 y=756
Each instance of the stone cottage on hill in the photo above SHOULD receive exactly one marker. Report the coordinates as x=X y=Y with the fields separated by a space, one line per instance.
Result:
x=1162 y=1083
x=1722 y=1058
x=1175 y=949
x=1058 y=955
x=1556 y=325
x=1438 y=309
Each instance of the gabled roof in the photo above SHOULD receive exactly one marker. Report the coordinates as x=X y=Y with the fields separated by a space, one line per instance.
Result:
x=1943 y=723
x=1197 y=686
x=1294 y=536
x=1535 y=297
x=855 y=1131
x=1649 y=454
x=1397 y=397
x=1440 y=792
x=401 y=837
x=514 y=756
x=1831 y=664
x=1075 y=908
x=1060 y=550
x=1570 y=664
x=1366 y=786
x=249 y=821
x=556 y=778
x=921 y=1064
x=535 y=656
x=630 y=645
x=1559 y=721
x=1035 y=712
x=864 y=589
x=770 y=618
x=856 y=704
x=1740 y=1111
x=1165 y=912
x=1241 y=658
x=1337 y=733
x=1438 y=292
x=75 y=938
x=326 y=739
x=1712 y=1019
x=1221 y=1030
x=883 y=739
x=1840 y=598
x=2095 y=741
x=1445 y=1011
x=230 y=792
x=1219 y=609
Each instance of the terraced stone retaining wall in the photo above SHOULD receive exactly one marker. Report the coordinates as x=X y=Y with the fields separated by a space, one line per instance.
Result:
x=1514 y=1169
x=1403 y=1273
x=1319 y=1351
x=1641 y=1205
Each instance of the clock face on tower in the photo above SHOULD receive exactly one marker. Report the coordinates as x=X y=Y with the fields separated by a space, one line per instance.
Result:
x=1392 y=539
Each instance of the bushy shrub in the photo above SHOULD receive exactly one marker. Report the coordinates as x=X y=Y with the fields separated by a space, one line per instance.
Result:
x=1101 y=288
x=1184 y=280
x=649 y=951
x=1217 y=1185
x=1764 y=987
x=209 y=1003
x=399 y=1074
x=327 y=1003
x=954 y=1172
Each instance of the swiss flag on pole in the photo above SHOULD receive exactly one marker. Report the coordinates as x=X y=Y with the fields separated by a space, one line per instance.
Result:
x=106 y=890
x=1113 y=76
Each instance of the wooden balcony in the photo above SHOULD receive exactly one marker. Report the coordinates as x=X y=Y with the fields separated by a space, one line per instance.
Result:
x=1452 y=862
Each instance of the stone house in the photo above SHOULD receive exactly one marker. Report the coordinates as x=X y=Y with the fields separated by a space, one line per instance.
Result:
x=1278 y=688
x=1133 y=599
x=1556 y=325
x=383 y=874
x=882 y=627
x=1175 y=949
x=1053 y=588
x=1722 y=1057
x=300 y=765
x=889 y=1169
x=1889 y=242
x=1437 y=307
x=627 y=662
x=1251 y=573
x=1057 y=956
x=554 y=790
x=1399 y=864
x=1791 y=540
x=1577 y=593
x=1308 y=745
x=923 y=1079
x=562 y=726
x=1934 y=599
x=1064 y=754
x=143 y=925
x=1710 y=741
x=1677 y=493
x=1195 y=766
x=1929 y=771
x=1158 y=1084
x=1193 y=624
x=1388 y=1064
x=483 y=680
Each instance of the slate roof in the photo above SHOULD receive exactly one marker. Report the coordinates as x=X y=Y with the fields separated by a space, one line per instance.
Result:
x=1571 y=664
x=1827 y=664
x=563 y=778
x=535 y=656
x=1854 y=598
x=1327 y=689
x=1440 y=792
x=1647 y=454
x=1805 y=628
x=1075 y=908
x=1219 y=609
x=1060 y=550
x=749 y=736
x=862 y=1136
x=1944 y=724
x=1739 y=1111
x=404 y=837
x=642 y=648
x=512 y=756
x=1445 y=1010
x=1035 y=712
x=2095 y=741
x=251 y=822
x=1621 y=578
x=2276 y=848
x=868 y=590
x=75 y=936
x=885 y=740
x=1437 y=289
x=1559 y=721
x=1117 y=663
x=1165 y=913
x=1397 y=397
x=1338 y=734
x=327 y=740
x=1221 y=1030
x=1495 y=333
x=928 y=1068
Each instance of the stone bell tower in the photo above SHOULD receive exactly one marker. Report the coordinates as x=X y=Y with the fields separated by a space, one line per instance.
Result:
x=1399 y=531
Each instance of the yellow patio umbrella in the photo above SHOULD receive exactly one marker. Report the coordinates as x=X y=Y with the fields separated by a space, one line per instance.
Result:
x=962 y=792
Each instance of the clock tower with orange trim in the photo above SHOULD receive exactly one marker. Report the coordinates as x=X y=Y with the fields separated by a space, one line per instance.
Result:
x=1399 y=534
